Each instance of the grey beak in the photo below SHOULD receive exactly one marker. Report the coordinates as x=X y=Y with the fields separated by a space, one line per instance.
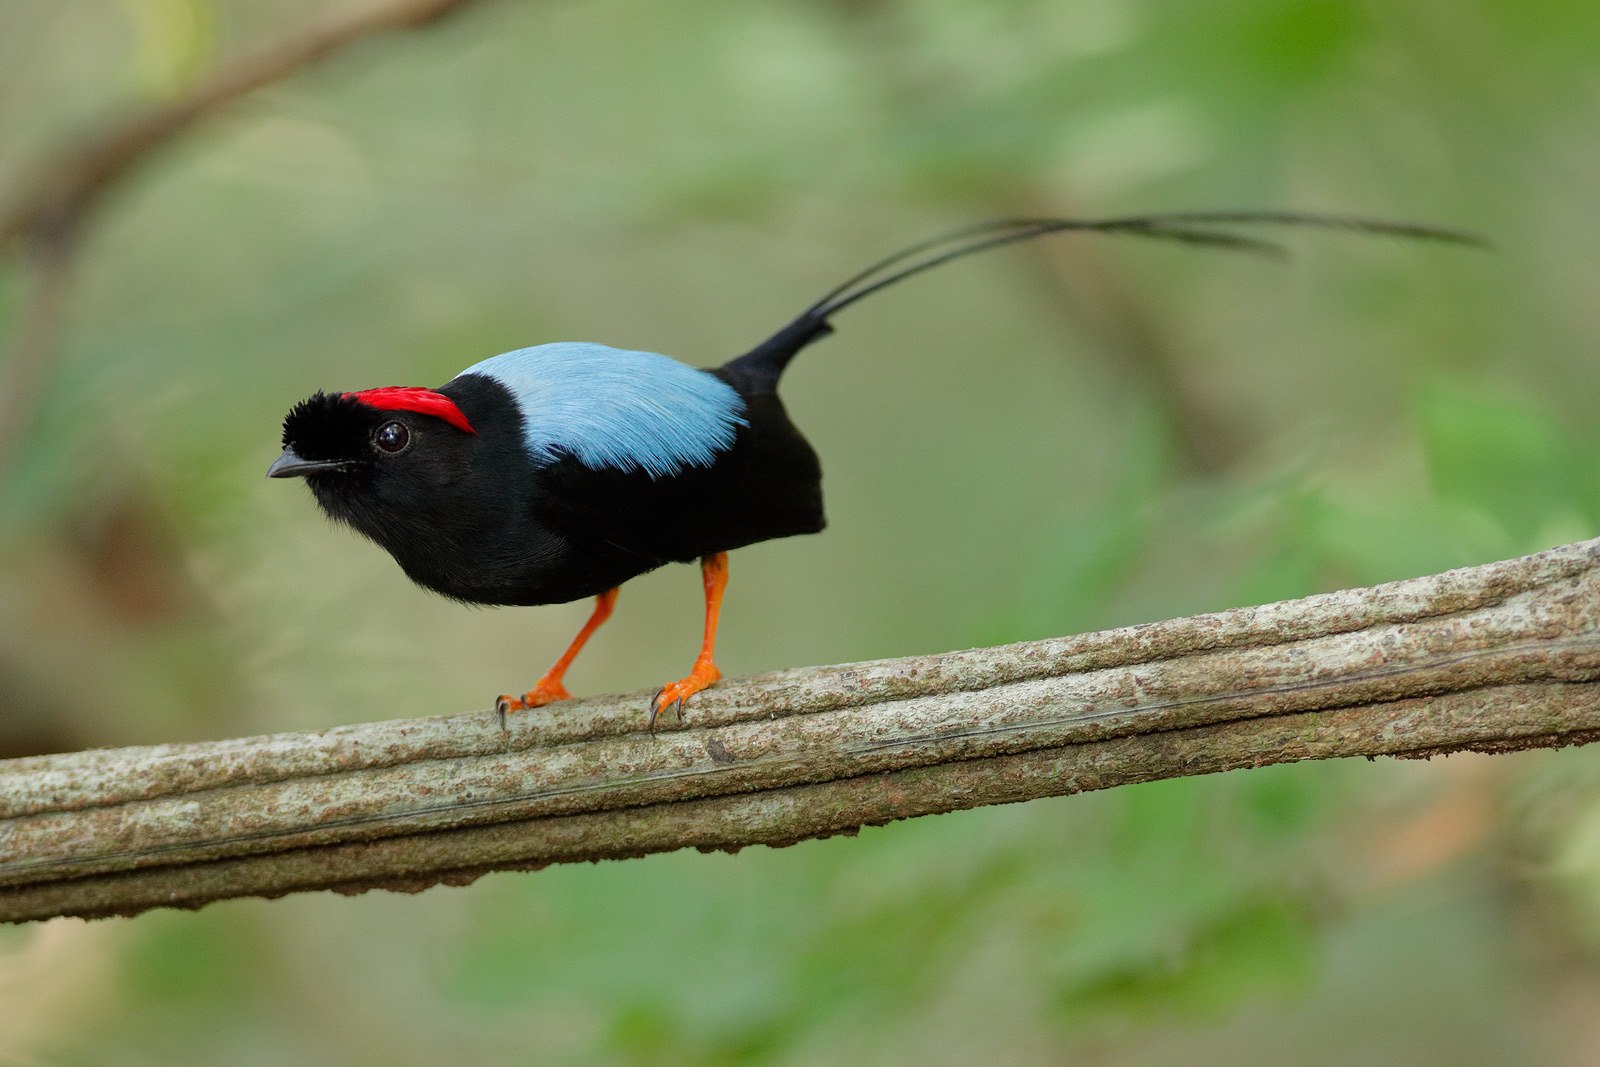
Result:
x=291 y=465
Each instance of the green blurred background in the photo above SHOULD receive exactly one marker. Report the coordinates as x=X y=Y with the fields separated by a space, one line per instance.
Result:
x=1072 y=435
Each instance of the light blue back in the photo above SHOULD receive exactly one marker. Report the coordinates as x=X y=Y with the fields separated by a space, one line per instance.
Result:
x=616 y=409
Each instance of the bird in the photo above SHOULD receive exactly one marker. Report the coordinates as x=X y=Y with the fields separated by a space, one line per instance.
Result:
x=558 y=472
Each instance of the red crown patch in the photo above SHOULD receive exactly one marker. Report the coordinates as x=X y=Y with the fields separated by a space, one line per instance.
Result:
x=412 y=398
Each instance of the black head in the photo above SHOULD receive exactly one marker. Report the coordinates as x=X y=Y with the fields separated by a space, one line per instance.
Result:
x=336 y=439
x=324 y=434
x=443 y=482
x=378 y=458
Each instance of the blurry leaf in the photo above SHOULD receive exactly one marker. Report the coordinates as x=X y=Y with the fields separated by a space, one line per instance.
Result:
x=1283 y=805
x=44 y=475
x=744 y=188
x=1294 y=560
x=1261 y=51
x=1096 y=546
x=199 y=961
x=895 y=953
x=1293 y=42
x=1194 y=907
x=175 y=39
x=669 y=934
x=649 y=1032
x=1251 y=949
x=1505 y=457
x=1386 y=532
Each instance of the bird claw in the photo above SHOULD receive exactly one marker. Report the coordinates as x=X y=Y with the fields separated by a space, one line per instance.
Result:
x=543 y=692
x=672 y=696
x=657 y=707
x=503 y=704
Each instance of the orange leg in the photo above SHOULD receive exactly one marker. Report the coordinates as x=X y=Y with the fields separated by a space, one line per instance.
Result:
x=714 y=574
x=549 y=687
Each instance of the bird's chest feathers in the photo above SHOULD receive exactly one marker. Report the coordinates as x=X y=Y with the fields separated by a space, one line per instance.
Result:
x=469 y=531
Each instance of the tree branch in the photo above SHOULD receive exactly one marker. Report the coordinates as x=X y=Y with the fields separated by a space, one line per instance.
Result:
x=1493 y=658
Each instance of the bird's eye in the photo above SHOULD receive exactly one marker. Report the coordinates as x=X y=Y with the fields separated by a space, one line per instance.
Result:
x=392 y=437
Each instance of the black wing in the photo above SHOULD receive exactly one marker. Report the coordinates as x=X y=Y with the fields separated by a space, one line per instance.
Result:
x=767 y=484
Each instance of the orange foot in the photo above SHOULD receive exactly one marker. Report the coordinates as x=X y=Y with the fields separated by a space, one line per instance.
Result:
x=543 y=692
x=671 y=696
